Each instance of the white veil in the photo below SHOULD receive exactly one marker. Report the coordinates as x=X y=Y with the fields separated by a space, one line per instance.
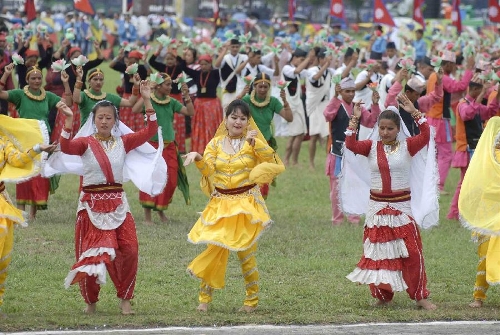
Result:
x=354 y=180
x=144 y=165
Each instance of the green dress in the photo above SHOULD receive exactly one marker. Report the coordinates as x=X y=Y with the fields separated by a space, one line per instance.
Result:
x=263 y=116
x=87 y=103
x=29 y=108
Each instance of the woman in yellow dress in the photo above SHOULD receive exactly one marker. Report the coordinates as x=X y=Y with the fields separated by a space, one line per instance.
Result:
x=479 y=208
x=21 y=142
x=233 y=165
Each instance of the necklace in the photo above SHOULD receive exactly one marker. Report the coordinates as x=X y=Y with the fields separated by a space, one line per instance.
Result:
x=203 y=83
x=32 y=96
x=108 y=143
x=260 y=104
x=390 y=142
x=235 y=142
x=95 y=97
x=391 y=147
x=164 y=101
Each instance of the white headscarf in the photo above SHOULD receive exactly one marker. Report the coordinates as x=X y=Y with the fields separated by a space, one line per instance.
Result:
x=144 y=165
x=354 y=180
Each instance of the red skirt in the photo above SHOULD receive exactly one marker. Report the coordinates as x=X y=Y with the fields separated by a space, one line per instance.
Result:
x=59 y=124
x=207 y=118
x=33 y=192
x=179 y=125
x=161 y=202
x=134 y=121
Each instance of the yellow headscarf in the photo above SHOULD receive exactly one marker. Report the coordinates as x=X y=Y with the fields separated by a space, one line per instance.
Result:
x=262 y=173
x=479 y=201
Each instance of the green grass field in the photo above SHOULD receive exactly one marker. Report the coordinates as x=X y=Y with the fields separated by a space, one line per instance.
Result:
x=302 y=259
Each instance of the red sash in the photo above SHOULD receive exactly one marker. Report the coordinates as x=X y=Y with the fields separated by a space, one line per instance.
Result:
x=102 y=159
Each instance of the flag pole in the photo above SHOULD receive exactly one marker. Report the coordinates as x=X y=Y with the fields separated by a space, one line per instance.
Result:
x=124 y=6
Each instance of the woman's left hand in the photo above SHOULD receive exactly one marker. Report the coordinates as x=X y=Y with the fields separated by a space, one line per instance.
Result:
x=64 y=77
x=185 y=90
x=251 y=135
x=406 y=104
x=375 y=97
x=137 y=79
x=145 y=89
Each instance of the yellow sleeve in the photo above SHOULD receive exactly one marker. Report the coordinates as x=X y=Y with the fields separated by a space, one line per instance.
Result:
x=15 y=157
x=207 y=164
x=263 y=151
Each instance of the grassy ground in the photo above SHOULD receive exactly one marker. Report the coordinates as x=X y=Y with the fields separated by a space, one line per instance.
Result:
x=302 y=259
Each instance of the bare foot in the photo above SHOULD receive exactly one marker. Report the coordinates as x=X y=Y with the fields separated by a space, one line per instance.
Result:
x=148 y=223
x=126 y=307
x=163 y=217
x=476 y=304
x=247 y=309
x=382 y=303
x=312 y=167
x=443 y=192
x=90 y=309
x=202 y=307
x=426 y=304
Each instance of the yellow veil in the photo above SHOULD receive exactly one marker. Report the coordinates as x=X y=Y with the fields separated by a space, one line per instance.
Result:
x=262 y=173
x=24 y=134
x=479 y=201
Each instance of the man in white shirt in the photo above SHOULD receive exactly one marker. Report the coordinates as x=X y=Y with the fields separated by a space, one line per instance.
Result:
x=230 y=68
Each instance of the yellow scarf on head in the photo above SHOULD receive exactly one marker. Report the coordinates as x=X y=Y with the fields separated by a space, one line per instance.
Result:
x=24 y=134
x=479 y=201
x=262 y=173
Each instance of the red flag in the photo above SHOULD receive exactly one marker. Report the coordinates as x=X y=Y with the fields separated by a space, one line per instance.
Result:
x=417 y=12
x=337 y=9
x=30 y=10
x=494 y=11
x=84 y=6
x=291 y=9
x=381 y=14
x=456 y=20
x=130 y=5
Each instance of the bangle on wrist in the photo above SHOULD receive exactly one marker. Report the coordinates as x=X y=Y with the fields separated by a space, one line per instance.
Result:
x=135 y=90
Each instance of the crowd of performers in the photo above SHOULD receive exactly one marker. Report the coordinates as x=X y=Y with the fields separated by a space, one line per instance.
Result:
x=389 y=119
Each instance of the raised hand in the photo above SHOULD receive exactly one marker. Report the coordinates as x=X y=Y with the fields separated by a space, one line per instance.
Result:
x=406 y=104
x=145 y=89
x=61 y=105
x=8 y=68
x=356 y=111
x=251 y=135
x=375 y=97
x=79 y=72
x=64 y=76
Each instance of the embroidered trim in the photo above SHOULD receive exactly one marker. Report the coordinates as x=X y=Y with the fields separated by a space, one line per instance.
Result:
x=35 y=97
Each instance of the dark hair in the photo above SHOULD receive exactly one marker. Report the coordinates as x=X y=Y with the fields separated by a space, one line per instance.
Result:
x=420 y=31
x=240 y=105
x=390 y=115
x=105 y=103
x=194 y=52
x=408 y=88
x=473 y=84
